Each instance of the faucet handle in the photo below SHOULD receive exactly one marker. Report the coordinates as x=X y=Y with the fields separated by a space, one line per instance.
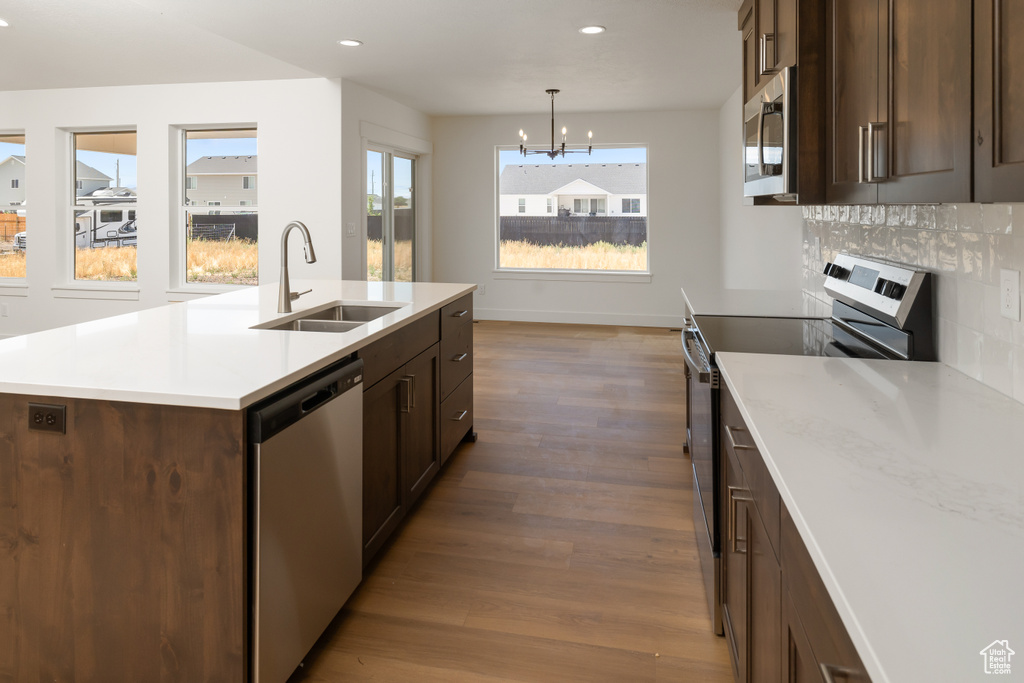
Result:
x=295 y=295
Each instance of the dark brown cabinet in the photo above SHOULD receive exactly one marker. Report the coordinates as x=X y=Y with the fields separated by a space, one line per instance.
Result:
x=998 y=101
x=769 y=30
x=898 y=110
x=456 y=374
x=751 y=582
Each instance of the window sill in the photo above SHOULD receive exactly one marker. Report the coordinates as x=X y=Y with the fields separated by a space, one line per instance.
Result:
x=197 y=291
x=618 y=276
x=114 y=291
x=14 y=286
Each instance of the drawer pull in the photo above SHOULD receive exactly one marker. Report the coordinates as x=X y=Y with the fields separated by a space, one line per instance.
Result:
x=459 y=314
x=732 y=439
x=830 y=671
x=737 y=495
x=458 y=418
x=459 y=358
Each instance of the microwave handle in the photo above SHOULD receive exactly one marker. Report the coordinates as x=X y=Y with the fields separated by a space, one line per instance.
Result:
x=769 y=108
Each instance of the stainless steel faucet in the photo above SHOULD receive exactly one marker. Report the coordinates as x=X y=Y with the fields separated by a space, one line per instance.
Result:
x=285 y=295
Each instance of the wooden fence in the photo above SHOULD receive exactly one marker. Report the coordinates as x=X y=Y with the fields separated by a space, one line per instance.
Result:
x=574 y=231
x=10 y=225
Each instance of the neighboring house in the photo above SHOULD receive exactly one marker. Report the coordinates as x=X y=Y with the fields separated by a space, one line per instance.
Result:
x=575 y=189
x=12 y=181
x=89 y=179
x=221 y=181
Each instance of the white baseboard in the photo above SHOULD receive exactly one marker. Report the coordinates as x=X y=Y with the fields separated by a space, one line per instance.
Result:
x=578 y=318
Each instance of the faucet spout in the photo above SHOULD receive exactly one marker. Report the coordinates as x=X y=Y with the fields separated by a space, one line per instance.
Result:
x=284 y=295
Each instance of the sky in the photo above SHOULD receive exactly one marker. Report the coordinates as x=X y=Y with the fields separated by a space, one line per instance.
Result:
x=374 y=168
x=600 y=155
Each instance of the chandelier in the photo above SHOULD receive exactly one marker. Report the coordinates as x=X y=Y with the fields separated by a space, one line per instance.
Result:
x=554 y=152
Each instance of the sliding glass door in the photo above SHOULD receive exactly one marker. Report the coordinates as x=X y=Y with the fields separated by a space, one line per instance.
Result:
x=390 y=215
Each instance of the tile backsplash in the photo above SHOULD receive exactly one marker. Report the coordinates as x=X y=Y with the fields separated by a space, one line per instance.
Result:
x=965 y=246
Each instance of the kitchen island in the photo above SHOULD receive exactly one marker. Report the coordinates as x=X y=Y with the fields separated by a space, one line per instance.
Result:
x=904 y=481
x=124 y=528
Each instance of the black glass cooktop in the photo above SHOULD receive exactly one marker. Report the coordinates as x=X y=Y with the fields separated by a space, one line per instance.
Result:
x=788 y=336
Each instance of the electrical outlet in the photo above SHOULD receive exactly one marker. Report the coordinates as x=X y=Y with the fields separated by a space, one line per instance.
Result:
x=3 y=311
x=1009 y=294
x=45 y=417
x=481 y=289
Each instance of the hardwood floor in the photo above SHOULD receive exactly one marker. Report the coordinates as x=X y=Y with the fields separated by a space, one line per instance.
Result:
x=560 y=546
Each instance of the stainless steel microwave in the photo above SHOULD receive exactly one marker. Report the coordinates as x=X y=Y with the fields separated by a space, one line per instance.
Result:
x=769 y=140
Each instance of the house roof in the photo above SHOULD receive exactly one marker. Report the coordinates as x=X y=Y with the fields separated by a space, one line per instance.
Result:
x=87 y=172
x=546 y=178
x=16 y=157
x=228 y=165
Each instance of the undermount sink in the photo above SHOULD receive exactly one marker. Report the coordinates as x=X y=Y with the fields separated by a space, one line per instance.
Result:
x=335 y=317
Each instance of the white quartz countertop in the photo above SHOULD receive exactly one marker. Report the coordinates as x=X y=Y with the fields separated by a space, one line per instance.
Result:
x=203 y=353
x=704 y=298
x=906 y=482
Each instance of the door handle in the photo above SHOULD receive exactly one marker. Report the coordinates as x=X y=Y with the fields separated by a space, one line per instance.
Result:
x=458 y=418
x=873 y=128
x=406 y=400
x=767 y=38
x=861 y=132
x=830 y=671
x=732 y=439
x=459 y=358
x=459 y=314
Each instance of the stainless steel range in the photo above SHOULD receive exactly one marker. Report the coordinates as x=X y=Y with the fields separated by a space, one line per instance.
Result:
x=879 y=310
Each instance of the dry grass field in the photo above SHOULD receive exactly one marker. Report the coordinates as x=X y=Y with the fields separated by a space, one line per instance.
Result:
x=235 y=262
x=12 y=264
x=599 y=256
x=375 y=260
x=111 y=263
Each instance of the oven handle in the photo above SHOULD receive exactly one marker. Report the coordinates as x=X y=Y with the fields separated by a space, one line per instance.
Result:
x=701 y=371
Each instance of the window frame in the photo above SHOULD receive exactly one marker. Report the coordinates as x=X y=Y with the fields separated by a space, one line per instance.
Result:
x=16 y=286
x=568 y=274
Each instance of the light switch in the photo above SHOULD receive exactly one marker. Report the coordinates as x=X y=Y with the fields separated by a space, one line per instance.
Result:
x=1009 y=294
x=350 y=230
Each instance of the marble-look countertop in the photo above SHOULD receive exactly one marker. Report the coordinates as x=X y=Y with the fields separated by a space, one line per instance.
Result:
x=906 y=482
x=203 y=353
x=704 y=298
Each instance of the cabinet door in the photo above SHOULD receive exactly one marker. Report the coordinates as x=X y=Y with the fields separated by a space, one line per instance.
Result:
x=998 y=101
x=854 y=93
x=799 y=665
x=382 y=447
x=420 y=461
x=750 y=49
x=930 y=105
x=764 y=604
x=767 y=40
x=735 y=502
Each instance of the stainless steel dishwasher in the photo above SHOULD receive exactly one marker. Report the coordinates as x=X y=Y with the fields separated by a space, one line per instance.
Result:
x=307 y=520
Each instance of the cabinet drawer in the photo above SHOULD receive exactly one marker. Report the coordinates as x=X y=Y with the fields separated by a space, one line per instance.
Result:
x=735 y=438
x=456 y=314
x=456 y=417
x=456 y=358
x=820 y=622
x=397 y=348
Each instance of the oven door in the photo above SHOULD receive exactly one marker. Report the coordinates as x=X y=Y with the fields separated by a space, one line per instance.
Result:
x=703 y=412
x=769 y=159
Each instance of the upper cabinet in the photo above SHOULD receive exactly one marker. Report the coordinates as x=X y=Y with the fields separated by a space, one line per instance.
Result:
x=998 y=137
x=769 y=30
x=898 y=105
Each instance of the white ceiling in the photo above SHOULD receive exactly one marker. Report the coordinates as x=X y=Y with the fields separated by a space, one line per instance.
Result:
x=442 y=57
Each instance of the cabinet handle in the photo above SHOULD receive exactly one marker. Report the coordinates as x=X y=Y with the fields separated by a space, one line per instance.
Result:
x=732 y=439
x=767 y=38
x=459 y=314
x=861 y=132
x=830 y=671
x=406 y=405
x=459 y=358
x=873 y=128
x=737 y=495
x=458 y=418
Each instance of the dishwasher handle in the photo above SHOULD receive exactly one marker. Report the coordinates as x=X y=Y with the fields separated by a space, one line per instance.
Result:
x=288 y=406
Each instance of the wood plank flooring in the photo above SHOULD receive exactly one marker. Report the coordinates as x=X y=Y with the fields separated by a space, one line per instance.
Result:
x=560 y=546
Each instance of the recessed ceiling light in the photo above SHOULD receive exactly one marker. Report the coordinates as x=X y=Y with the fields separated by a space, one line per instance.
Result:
x=3 y=24
x=349 y=42
x=592 y=29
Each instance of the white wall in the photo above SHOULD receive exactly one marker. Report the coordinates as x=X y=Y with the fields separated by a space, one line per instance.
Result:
x=760 y=244
x=298 y=124
x=683 y=159
x=371 y=118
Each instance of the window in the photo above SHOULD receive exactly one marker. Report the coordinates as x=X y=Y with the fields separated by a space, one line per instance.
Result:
x=105 y=239
x=584 y=238
x=221 y=244
x=13 y=242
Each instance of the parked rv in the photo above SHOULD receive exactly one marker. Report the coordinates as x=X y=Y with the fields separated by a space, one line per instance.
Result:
x=98 y=228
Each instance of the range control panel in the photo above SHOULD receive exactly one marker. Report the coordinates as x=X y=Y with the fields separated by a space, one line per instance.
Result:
x=887 y=289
